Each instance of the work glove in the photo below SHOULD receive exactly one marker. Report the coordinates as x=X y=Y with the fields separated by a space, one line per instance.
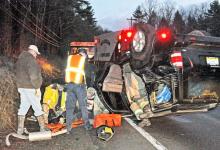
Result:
x=37 y=92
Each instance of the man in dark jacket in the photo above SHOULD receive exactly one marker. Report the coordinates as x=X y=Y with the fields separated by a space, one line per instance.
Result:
x=29 y=80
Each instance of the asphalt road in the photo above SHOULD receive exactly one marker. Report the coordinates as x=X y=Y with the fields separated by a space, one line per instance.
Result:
x=125 y=138
x=197 y=131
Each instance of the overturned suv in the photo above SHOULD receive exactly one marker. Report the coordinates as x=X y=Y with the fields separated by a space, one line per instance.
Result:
x=143 y=67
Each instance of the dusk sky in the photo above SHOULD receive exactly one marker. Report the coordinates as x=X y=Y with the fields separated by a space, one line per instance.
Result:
x=112 y=14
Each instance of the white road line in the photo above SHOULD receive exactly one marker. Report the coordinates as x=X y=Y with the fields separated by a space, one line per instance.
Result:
x=146 y=135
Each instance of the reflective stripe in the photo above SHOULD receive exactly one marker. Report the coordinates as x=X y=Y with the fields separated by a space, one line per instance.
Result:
x=72 y=69
x=178 y=64
x=176 y=54
x=67 y=72
x=81 y=65
x=78 y=70
x=69 y=61
x=177 y=59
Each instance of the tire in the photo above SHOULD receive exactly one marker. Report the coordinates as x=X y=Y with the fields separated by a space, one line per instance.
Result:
x=144 y=57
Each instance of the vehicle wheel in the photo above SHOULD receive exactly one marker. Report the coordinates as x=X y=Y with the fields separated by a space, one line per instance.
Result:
x=142 y=44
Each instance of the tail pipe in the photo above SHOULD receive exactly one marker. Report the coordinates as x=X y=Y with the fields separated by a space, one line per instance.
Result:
x=34 y=136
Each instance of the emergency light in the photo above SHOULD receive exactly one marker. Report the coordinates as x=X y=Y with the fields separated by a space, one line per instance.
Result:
x=131 y=37
x=126 y=35
x=164 y=34
x=129 y=34
x=125 y=38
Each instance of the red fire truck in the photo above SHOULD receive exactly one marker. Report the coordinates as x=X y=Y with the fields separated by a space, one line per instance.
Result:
x=89 y=46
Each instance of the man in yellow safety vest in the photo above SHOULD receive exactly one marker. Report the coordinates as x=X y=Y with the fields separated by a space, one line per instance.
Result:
x=76 y=88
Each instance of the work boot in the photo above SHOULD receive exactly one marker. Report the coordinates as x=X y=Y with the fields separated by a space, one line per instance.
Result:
x=88 y=126
x=144 y=123
x=20 y=129
x=69 y=122
x=147 y=113
x=41 y=123
x=69 y=128
x=147 y=109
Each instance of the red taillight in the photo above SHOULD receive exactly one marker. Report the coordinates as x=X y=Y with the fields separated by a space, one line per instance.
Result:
x=126 y=35
x=125 y=38
x=129 y=34
x=164 y=34
x=119 y=37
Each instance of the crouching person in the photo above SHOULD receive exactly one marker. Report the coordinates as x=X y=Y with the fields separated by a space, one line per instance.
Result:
x=29 y=80
x=54 y=100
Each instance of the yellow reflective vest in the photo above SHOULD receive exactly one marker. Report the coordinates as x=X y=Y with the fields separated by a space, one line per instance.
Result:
x=51 y=97
x=75 y=69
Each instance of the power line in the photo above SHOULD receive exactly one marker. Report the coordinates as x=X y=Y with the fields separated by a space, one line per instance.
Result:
x=28 y=28
x=34 y=24
x=38 y=19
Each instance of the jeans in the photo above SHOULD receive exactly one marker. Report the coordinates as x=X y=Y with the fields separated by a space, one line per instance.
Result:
x=76 y=92
x=28 y=99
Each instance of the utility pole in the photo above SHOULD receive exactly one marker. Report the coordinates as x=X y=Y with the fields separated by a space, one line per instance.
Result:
x=131 y=21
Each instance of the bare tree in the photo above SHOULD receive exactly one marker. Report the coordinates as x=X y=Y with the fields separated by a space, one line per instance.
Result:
x=149 y=7
x=166 y=10
x=183 y=13
x=203 y=8
x=198 y=10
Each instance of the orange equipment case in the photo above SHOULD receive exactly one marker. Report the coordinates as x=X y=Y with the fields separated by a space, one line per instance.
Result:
x=111 y=120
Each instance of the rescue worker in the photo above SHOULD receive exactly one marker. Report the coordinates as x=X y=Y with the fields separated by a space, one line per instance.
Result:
x=54 y=100
x=137 y=96
x=90 y=70
x=29 y=80
x=76 y=88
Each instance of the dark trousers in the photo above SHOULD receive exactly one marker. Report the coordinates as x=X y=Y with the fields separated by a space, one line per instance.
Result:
x=76 y=92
